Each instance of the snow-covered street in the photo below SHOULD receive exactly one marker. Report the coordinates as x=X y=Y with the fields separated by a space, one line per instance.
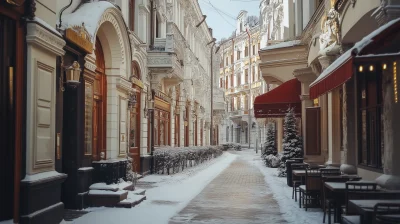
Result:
x=234 y=188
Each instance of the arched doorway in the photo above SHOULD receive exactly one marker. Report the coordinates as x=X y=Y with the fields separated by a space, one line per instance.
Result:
x=99 y=105
x=135 y=113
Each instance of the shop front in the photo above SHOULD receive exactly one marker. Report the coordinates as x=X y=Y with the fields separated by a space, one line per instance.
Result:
x=12 y=64
x=367 y=75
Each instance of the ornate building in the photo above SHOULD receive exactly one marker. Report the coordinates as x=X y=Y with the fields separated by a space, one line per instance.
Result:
x=240 y=72
x=95 y=75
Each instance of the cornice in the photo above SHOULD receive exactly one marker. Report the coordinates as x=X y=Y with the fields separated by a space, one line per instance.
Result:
x=305 y=75
x=39 y=36
x=124 y=84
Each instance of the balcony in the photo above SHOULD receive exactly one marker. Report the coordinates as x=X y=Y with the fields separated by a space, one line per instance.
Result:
x=164 y=62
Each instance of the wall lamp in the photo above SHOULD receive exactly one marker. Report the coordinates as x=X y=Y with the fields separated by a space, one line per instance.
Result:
x=72 y=75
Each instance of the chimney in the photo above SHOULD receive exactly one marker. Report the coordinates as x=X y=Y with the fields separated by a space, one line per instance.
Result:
x=211 y=31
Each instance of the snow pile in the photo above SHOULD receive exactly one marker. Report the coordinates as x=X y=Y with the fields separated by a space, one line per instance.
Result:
x=177 y=158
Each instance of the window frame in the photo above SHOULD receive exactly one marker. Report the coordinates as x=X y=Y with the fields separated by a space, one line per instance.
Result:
x=370 y=105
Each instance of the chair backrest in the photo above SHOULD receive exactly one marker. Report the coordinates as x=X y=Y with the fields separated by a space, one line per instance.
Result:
x=387 y=213
x=358 y=190
x=313 y=179
x=299 y=166
x=330 y=171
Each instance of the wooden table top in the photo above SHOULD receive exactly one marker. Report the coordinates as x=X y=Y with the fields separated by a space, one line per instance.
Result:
x=341 y=186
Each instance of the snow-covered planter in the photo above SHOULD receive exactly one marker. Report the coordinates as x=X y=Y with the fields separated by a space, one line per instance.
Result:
x=177 y=158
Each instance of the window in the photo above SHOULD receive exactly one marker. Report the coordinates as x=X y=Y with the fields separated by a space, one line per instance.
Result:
x=246 y=51
x=238 y=80
x=246 y=76
x=226 y=82
x=232 y=58
x=132 y=14
x=232 y=104
x=254 y=49
x=370 y=129
x=246 y=102
x=253 y=72
x=221 y=82
x=232 y=80
x=238 y=55
x=226 y=61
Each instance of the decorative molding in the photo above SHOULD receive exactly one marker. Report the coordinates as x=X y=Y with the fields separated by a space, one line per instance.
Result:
x=41 y=37
x=124 y=85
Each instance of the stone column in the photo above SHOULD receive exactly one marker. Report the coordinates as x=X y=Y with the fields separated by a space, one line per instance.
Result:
x=391 y=177
x=306 y=76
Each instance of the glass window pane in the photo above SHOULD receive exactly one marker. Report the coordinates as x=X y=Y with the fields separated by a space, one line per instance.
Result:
x=88 y=118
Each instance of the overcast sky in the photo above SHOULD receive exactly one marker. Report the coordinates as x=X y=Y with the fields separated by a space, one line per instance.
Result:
x=220 y=19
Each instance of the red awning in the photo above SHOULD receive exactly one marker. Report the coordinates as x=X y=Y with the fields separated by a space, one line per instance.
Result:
x=276 y=102
x=335 y=75
x=341 y=70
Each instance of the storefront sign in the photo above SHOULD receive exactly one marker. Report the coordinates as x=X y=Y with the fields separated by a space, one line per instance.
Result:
x=161 y=104
x=79 y=36
x=137 y=82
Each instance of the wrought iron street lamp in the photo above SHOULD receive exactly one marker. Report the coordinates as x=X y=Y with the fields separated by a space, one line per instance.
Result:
x=72 y=75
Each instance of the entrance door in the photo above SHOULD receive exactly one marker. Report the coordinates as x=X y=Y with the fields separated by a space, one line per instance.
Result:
x=7 y=118
x=99 y=105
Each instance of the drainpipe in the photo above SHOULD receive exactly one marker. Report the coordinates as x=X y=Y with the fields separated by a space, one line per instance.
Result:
x=152 y=20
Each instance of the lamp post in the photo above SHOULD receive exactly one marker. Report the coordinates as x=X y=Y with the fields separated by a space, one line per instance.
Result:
x=250 y=98
x=212 y=88
x=151 y=118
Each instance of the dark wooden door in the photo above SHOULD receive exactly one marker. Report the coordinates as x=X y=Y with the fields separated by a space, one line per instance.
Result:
x=7 y=118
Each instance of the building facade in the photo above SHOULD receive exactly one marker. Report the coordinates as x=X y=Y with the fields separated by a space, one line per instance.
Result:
x=346 y=118
x=83 y=81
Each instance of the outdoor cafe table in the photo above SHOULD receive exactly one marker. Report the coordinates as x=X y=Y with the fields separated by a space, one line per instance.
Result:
x=365 y=208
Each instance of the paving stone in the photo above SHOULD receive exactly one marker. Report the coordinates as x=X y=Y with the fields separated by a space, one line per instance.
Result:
x=238 y=195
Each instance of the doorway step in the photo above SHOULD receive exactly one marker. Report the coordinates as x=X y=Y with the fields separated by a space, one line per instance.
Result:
x=122 y=194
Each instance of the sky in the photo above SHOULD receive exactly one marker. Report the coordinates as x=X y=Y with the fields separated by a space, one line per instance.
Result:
x=222 y=17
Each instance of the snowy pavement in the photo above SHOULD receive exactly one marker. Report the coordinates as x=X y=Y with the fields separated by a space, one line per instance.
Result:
x=234 y=188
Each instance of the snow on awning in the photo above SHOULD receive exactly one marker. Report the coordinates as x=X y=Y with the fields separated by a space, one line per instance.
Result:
x=276 y=102
x=341 y=70
x=88 y=13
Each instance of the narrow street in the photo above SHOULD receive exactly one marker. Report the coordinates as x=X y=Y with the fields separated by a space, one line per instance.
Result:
x=238 y=195
x=233 y=188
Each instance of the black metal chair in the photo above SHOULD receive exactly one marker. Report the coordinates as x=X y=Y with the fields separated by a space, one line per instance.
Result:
x=357 y=190
x=387 y=213
x=297 y=181
x=312 y=188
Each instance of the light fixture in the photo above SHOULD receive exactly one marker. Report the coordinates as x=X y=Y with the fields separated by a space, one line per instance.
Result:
x=316 y=102
x=72 y=75
x=371 y=68
x=132 y=100
x=384 y=66
x=361 y=68
x=396 y=98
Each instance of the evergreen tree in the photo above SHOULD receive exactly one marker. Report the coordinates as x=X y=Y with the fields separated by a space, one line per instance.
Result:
x=292 y=143
x=270 y=148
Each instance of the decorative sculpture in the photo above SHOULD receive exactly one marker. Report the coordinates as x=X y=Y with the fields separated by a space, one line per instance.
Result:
x=329 y=39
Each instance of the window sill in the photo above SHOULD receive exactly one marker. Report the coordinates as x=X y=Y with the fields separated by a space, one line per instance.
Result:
x=369 y=168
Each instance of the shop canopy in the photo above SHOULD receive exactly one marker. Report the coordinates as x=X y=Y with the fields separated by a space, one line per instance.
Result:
x=276 y=102
x=341 y=70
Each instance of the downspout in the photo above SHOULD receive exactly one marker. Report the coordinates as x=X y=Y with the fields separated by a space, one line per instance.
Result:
x=61 y=12
x=152 y=20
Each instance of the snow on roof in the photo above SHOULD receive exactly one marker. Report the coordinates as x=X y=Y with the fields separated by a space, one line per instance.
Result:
x=358 y=47
x=89 y=13
x=282 y=45
x=44 y=24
